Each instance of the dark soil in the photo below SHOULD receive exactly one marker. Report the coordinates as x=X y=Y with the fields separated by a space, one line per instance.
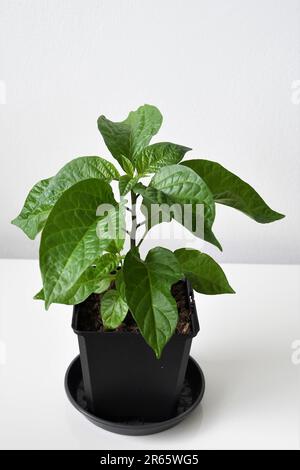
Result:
x=90 y=320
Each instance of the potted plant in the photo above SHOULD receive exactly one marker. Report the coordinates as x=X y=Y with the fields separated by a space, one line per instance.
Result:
x=135 y=318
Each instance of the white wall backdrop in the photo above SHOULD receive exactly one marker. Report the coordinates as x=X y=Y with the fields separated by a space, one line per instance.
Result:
x=225 y=74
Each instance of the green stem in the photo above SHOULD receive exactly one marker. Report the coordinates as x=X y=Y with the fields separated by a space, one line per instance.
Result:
x=142 y=239
x=133 y=220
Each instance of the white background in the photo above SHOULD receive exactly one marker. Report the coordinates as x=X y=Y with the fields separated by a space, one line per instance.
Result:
x=221 y=72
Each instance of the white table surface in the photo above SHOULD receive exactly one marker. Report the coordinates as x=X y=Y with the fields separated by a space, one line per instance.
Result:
x=252 y=397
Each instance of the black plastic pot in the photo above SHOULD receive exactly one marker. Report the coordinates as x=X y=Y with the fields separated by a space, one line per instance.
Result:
x=122 y=377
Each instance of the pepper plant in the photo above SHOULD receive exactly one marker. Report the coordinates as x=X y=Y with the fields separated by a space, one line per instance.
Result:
x=76 y=259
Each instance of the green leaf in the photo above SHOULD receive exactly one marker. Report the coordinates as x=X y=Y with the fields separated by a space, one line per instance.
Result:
x=69 y=243
x=127 y=166
x=156 y=156
x=126 y=183
x=230 y=190
x=128 y=138
x=120 y=284
x=34 y=214
x=95 y=279
x=205 y=275
x=103 y=285
x=112 y=227
x=173 y=187
x=113 y=309
x=44 y=194
x=39 y=295
x=148 y=293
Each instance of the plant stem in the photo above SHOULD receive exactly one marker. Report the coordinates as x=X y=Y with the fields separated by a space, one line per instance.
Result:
x=141 y=224
x=142 y=239
x=133 y=220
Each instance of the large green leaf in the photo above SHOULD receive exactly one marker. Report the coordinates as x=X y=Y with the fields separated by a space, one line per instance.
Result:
x=148 y=293
x=95 y=279
x=69 y=243
x=205 y=275
x=35 y=211
x=230 y=190
x=113 y=309
x=156 y=156
x=176 y=186
x=128 y=138
x=44 y=194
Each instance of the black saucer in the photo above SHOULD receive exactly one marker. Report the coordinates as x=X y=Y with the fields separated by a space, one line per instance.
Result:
x=191 y=395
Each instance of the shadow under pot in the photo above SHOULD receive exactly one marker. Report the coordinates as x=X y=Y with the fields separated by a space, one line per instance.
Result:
x=122 y=377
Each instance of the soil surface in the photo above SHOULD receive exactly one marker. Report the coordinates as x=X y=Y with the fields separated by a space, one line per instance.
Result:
x=90 y=320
